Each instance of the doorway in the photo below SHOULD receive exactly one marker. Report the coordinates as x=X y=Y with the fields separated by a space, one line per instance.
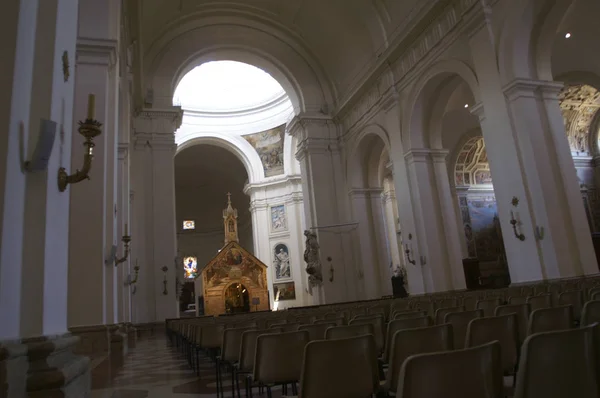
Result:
x=237 y=299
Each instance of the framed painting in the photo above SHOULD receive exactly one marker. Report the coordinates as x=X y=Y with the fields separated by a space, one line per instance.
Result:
x=284 y=291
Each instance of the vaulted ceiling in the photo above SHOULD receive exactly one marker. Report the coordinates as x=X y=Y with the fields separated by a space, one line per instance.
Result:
x=345 y=37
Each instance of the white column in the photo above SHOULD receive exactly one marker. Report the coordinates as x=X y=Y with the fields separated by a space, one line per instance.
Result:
x=123 y=203
x=407 y=210
x=383 y=257
x=153 y=179
x=34 y=239
x=367 y=211
x=92 y=216
x=326 y=204
x=438 y=245
x=388 y=199
x=530 y=161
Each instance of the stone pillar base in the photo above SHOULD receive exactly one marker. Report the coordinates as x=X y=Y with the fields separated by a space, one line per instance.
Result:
x=131 y=335
x=118 y=340
x=44 y=367
x=94 y=340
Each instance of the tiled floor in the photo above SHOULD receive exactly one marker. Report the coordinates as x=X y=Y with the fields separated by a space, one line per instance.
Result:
x=155 y=370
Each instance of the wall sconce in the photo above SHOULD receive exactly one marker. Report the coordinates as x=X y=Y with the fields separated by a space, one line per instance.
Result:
x=423 y=260
x=331 y=270
x=513 y=220
x=165 y=291
x=89 y=129
x=125 y=239
x=132 y=282
x=408 y=251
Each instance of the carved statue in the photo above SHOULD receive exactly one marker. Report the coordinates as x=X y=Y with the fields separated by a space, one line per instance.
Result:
x=311 y=257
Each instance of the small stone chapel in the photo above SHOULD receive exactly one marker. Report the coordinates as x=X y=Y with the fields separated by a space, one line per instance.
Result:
x=234 y=280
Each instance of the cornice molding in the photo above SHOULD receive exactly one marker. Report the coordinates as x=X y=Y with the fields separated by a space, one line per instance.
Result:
x=420 y=155
x=365 y=192
x=526 y=88
x=91 y=51
x=287 y=180
x=158 y=120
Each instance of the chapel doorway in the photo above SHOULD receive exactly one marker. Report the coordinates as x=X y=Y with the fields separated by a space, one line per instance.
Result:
x=237 y=299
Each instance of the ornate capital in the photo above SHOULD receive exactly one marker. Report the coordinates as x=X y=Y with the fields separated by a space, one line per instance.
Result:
x=425 y=155
x=162 y=121
x=96 y=52
x=525 y=88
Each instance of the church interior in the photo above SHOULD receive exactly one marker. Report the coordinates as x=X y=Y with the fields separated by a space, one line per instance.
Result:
x=311 y=198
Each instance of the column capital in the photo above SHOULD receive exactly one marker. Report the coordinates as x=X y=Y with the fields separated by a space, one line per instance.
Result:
x=530 y=88
x=123 y=150
x=92 y=51
x=158 y=120
x=423 y=155
x=365 y=192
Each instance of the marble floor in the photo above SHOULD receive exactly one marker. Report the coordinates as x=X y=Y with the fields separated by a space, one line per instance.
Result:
x=153 y=369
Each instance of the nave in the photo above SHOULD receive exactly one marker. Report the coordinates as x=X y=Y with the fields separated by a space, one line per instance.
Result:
x=510 y=342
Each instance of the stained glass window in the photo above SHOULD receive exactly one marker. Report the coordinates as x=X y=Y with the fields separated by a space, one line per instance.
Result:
x=189 y=224
x=190 y=267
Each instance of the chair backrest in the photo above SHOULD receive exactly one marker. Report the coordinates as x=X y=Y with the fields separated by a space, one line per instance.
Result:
x=409 y=342
x=550 y=319
x=440 y=313
x=501 y=328
x=448 y=303
x=460 y=322
x=559 y=364
x=488 y=306
x=344 y=332
x=540 y=289
x=468 y=373
x=279 y=357
x=340 y=368
x=514 y=300
x=232 y=340
x=522 y=311
x=590 y=313
x=317 y=331
x=401 y=324
x=409 y=314
x=211 y=336
x=470 y=303
x=539 y=302
x=378 y=328
x=248 y=348
x=573 y=298
x=336 y=321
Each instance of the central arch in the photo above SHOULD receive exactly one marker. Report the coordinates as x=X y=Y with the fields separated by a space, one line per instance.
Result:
x=256 y=42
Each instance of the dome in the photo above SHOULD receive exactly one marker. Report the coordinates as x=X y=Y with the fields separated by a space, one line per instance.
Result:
x=227 y=87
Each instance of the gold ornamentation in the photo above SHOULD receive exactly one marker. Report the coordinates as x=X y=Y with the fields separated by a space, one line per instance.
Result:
x=89 y=128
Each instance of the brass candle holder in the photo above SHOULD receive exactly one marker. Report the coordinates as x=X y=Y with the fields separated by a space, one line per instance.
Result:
x=126 y=239
x=89 y=129
x=132 y=282
x=165 y=291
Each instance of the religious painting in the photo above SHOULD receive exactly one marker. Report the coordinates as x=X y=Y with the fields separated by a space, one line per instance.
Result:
x=269 y=146
x=189 y=224
x=278 y=219
x=281 y=262
x=190 y=267
x=284 y=291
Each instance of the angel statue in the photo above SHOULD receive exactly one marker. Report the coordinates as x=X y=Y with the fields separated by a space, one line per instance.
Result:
x=311 y=257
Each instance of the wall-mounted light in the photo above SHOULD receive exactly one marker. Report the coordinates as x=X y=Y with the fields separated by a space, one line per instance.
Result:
x=466 y=105
x=568 y=35
x=90 y=128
